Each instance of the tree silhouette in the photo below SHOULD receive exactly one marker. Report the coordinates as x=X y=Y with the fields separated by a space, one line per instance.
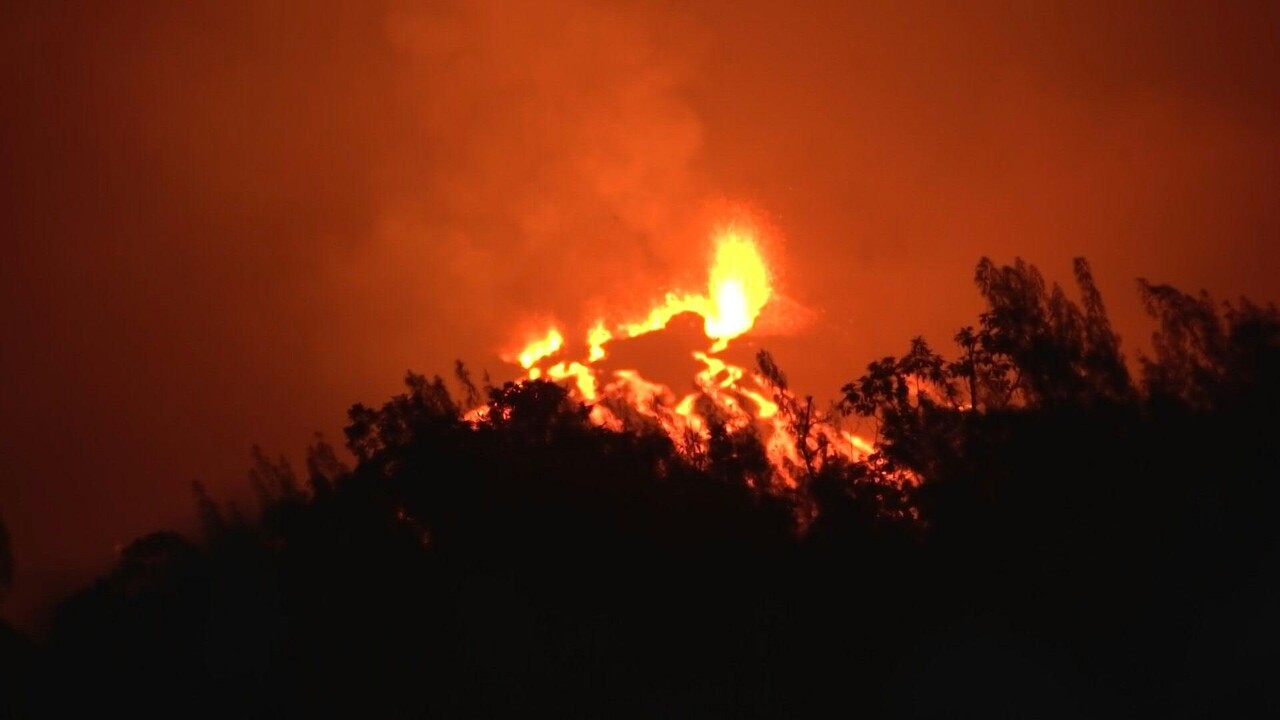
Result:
x=6 y=561
x=1204 y=357
x=1055 y=476
x=1032 y=516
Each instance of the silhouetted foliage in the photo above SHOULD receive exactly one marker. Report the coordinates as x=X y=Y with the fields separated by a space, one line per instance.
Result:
x=1205 y=358
x=19 y=663
x=6 y=561
x=1086 y=508
x=1036 y=535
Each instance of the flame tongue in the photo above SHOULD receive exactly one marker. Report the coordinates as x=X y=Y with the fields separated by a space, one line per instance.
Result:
x=540 y=348
x=738 y=288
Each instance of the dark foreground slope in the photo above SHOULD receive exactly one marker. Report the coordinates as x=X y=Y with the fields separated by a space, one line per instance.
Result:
x=1080 y=544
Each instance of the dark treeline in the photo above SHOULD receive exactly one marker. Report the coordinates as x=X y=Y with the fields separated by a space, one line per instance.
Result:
x=1081 y=542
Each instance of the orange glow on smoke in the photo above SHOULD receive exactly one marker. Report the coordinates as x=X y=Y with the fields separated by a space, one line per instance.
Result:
x=738 y=288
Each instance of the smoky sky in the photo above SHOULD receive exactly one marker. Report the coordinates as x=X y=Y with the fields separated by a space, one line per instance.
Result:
x=225 y=222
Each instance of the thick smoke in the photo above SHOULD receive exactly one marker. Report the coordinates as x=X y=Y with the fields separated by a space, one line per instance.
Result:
x=227 y=221
x=551 y=171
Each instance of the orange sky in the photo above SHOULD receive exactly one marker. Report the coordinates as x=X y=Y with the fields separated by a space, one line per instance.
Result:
x=228 y=221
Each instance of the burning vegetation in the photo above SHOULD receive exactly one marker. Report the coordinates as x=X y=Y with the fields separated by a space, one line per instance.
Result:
x=724 y=397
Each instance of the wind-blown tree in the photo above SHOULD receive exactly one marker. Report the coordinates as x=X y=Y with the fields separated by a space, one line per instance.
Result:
x=1033 y=348
x=1047 y=474
x=1060 y=352
x=1205 y=357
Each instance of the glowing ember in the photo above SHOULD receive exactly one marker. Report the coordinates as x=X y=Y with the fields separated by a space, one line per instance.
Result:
x=738 y=289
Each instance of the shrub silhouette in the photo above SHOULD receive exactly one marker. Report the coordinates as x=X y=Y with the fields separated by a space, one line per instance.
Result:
x=1072 y=541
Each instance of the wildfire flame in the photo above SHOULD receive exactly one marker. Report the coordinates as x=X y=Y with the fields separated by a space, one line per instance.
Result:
x=737 y=291
x=739 y=286
x=538 y=349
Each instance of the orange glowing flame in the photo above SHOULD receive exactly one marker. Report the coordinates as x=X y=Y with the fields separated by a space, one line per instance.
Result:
x=545 y=346
x=738 y=288
x=737 y=291
x=584 y=379
x=597 y=336
x=541 y=348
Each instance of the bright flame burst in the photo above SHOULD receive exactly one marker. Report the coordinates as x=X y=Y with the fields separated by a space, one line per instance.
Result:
x=738 y=288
